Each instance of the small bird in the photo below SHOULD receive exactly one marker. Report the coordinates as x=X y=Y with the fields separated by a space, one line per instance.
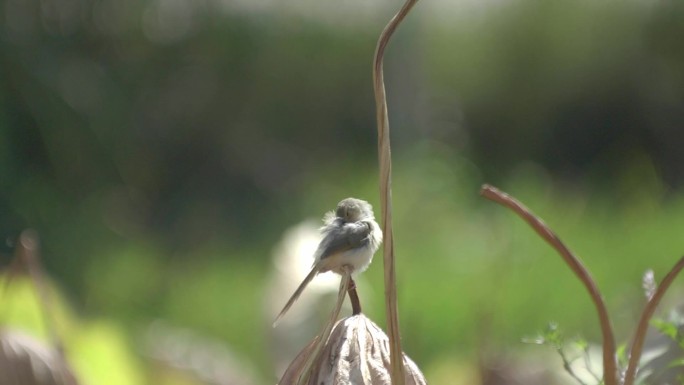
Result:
x=350 y=238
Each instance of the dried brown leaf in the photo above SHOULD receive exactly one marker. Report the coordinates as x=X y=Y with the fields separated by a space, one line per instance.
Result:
x=27 y=361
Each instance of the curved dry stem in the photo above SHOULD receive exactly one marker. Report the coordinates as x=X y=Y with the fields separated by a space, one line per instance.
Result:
x=384 y=157
x=609 y=360
x=640 y=333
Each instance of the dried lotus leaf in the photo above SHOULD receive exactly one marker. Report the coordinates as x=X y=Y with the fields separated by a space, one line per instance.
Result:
x=27 y=361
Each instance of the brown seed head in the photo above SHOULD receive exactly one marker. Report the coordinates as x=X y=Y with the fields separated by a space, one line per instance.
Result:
x=357 y=352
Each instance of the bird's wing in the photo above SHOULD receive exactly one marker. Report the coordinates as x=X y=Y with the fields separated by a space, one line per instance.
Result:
x=346 y=237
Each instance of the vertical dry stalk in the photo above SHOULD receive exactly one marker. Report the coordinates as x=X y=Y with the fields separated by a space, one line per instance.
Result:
x=322 y=339
x=640 y=333
x=385 y=159
x=354 y=298
x=609 y=358
x=28 y=249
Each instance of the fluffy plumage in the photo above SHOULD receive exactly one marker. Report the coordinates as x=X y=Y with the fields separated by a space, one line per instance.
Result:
x=351 y=236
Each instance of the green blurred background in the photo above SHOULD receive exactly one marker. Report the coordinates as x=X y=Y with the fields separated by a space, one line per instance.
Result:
x=161 y=147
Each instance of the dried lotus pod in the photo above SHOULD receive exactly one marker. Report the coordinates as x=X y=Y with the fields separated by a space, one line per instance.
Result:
x=356 y=353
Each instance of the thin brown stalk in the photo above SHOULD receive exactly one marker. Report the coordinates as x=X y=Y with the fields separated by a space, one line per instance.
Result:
x=28 y=249
x=385 y=159
x=315 y=354
x=609 y=358
x=354 y=298
x=649 y=309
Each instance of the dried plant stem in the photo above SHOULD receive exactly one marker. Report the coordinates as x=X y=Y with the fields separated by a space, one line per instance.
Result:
x=609 y=359
x=323 y=337
x=28 y=254
x=354 y=298
x=640 y=333
x=385 y=159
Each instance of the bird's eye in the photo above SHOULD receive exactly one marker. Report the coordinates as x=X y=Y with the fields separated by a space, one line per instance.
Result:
x=341 y=212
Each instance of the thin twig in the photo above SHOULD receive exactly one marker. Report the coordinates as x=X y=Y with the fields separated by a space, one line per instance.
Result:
x=354 y=298
x=609 y=359
x=567 y=365
x=587 y=364
x=315 y=354
x=28 y=249
x=640 y=333
x=385 y=159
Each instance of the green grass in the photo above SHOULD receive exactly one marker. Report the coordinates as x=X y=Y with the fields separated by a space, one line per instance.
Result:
x=470 y=273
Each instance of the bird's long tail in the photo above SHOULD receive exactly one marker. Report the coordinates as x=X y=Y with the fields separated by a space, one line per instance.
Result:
x=297 y=293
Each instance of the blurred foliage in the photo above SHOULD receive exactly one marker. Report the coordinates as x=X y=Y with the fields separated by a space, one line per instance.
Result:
x=581 y=87
x=160 y=147
x=99 y=351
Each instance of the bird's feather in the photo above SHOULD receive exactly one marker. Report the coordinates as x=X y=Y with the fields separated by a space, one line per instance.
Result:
x=297 y=293
x=346 y=237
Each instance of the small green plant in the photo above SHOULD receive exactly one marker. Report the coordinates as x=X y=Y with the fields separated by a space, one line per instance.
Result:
x=665 y=366
x=612 y=368
x=670 y=328
x=569 y=349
